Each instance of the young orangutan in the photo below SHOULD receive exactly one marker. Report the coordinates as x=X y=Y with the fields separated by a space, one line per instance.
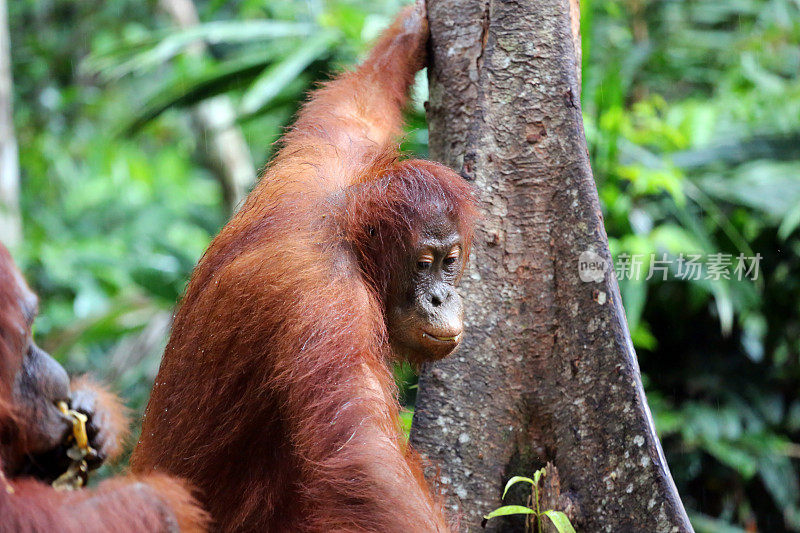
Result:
x=275 y=396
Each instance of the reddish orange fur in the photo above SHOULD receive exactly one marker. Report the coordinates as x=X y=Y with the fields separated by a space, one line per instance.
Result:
x=127 y=505
x=274 y=396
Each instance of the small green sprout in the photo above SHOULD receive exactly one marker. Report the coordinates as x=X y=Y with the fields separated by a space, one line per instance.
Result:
x=559 y=519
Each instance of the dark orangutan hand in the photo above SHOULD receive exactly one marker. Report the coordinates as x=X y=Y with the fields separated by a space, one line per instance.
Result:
x=106 y=424
x=105 y=428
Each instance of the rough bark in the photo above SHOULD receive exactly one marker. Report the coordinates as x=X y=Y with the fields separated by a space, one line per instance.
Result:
x=575 y=28
x=547 y=371
x=222 y=143
x=10 y=218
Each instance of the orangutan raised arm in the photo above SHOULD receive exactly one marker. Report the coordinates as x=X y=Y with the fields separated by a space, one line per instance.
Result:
x=275 y=395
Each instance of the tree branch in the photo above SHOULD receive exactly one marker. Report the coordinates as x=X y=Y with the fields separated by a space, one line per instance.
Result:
x=221 y=141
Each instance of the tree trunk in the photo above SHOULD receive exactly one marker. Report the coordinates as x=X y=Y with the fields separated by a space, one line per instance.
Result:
x=10 y=219
x=222 y=143
x=547 y=371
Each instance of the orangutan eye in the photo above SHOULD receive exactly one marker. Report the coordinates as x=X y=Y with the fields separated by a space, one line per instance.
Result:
x=424 y=262
x=452 y=257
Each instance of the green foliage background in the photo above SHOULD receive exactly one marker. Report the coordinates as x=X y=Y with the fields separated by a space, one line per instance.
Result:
x=692 y=111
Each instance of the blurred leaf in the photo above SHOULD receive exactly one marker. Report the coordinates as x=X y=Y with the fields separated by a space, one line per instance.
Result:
x=739 y=460
x=707 y=524
x=643 y=338
x=346 y=18
x=771 y=187
x=724 y=304
x=780 y=478
x=634 y=296
x=190 y=90
x=790 y=222
x=173 y=41
x=279 y=75
x=776 y=147
x=406 y=417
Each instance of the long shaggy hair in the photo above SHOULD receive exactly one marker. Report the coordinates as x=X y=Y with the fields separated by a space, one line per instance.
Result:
x=274 y=395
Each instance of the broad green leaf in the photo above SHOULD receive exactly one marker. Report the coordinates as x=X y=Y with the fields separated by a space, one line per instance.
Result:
x=507 y=510
x=517 y=479
x=560 y=520
x=276 y=77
